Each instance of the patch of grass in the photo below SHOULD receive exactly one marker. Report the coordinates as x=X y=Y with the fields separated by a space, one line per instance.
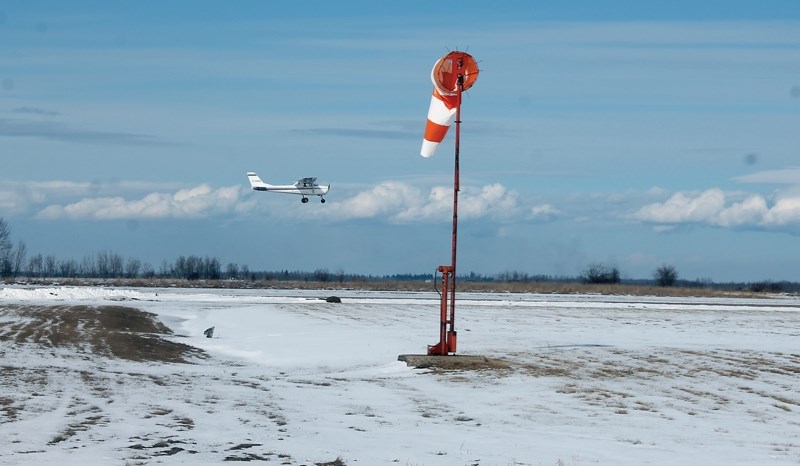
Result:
x=244 y=446
x=7 y=409
x=336 y=462
x=536 y=370
x=158 y=412
x=455 y=363
x=543 y=287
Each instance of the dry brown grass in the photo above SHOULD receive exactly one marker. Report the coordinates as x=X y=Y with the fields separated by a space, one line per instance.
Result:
x=402 y=285
x=455 y=363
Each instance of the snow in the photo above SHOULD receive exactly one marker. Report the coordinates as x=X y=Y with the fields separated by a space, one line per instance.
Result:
x=292 y=379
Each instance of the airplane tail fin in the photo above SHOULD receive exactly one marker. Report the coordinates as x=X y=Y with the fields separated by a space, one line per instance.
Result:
x=255 y=182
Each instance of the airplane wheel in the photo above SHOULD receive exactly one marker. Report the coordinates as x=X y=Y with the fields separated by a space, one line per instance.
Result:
x=304 y=200
x=322 y=200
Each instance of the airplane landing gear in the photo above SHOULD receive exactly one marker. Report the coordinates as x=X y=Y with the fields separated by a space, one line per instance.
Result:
x=304 y=200
x=322 y=200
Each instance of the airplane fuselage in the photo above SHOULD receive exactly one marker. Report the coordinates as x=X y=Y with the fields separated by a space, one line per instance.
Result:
x=290 y=189
x=303 y=187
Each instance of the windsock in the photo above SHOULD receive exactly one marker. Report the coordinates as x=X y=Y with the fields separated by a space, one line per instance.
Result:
x=447 y=96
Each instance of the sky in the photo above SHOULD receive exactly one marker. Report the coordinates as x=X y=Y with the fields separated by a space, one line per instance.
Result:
x=622 y=133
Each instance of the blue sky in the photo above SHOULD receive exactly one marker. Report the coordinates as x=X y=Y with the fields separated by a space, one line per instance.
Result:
x=622 y=133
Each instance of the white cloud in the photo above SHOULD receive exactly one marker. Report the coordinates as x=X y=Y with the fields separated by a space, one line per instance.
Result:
x=682 y=208
x=196 y=202
x=403 y=203
x=12 y=202
x=393 y=201
x=16 y=196
x=715 y=207
x=543 y=212
x=493 y=200
x=438 y=205
x=383 y=199
x=786 y=210
x=22 y=196
x=750 y=211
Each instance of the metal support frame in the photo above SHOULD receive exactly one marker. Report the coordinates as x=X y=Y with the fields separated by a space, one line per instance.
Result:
x=447 y=338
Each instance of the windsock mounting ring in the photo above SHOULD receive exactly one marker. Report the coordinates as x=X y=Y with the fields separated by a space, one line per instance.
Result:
x=448 y=69
x=451 y=75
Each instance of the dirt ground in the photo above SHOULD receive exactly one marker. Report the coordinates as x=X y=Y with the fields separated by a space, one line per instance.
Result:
x=135 y=335
x=90 y=366
x=112 y=331
x=94 y=334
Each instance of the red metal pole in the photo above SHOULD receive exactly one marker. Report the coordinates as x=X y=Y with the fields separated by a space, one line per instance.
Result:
x=446 y=340
x=451 y=335
x=447 y=325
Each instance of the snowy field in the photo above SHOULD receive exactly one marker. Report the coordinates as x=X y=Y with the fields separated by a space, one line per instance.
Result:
x=291 y=379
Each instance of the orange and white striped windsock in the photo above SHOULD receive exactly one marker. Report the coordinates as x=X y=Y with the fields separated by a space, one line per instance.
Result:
x=446 y=97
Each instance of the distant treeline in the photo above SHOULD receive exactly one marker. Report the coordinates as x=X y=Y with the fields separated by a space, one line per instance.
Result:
x=108 y=265
x=15 y=264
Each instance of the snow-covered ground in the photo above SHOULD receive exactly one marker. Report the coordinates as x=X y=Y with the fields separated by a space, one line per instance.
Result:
x=292 y=379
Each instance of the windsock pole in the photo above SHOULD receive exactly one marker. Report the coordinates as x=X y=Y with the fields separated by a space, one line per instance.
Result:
x=447 y=332
x=451 y=340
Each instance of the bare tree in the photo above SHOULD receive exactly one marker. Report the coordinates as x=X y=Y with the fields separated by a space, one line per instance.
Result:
x=322 y=275
x=232 y=271
x=50 y=266
x=103 y=264
x=68 y=268
x=117 y=265
x=166 y=270
x=600 y=273
x=19 y=258
x=191 y=268
x=88 y=267
x=213 y=268
x=132 y=267
x=5 y=235
x=666 y=276
x=35 y=264
x=148 y=271
x=5 y=248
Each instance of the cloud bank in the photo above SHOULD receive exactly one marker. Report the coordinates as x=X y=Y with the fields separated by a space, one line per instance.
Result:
x=197 y=202
x=717 y=208
x=389 y=201
x=396 y=202
x=403 y=203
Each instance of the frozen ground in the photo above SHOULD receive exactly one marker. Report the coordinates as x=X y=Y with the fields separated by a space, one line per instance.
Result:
x=291 y=379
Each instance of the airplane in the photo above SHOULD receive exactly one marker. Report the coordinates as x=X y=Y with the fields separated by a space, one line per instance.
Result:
x=303 y=186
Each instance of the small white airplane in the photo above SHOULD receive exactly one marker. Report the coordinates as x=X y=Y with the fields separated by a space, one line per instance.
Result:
x=303 y=186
